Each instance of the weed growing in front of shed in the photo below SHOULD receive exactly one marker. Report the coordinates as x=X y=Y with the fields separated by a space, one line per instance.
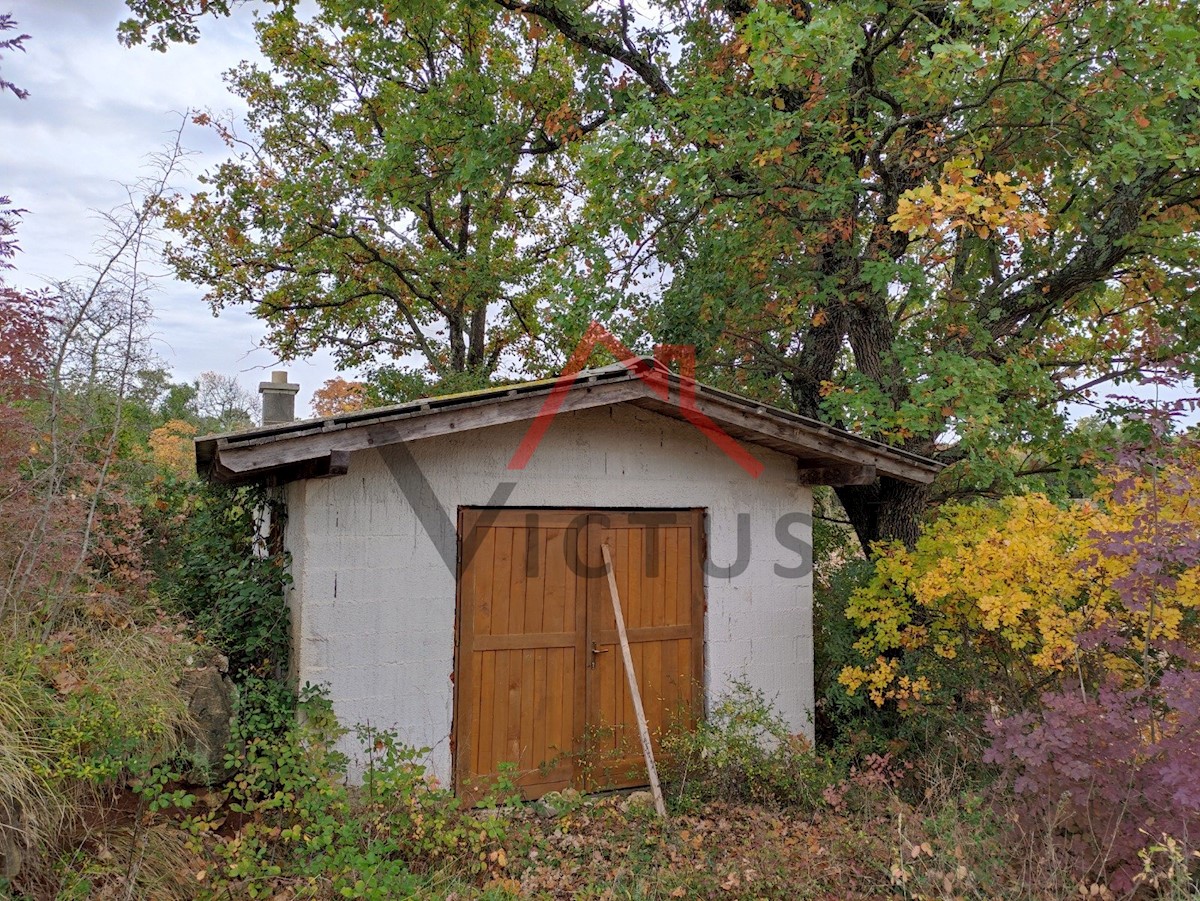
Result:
x=602 y=760
x=744 y=751
x=291 y=823
x=499 y=790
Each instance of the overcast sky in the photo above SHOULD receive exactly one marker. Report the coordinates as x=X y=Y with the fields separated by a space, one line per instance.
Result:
x=94 y=113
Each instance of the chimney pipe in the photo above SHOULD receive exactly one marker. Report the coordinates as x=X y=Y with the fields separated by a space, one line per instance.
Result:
x=278 y=399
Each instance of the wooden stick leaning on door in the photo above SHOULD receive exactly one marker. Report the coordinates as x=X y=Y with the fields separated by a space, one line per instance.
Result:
x=643 y=728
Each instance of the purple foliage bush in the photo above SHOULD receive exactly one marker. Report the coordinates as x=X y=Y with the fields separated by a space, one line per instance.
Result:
x=1114 y=770
x=1113 y=759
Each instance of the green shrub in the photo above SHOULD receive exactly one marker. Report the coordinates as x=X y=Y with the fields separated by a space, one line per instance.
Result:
x=844 y=719
x=744 y=751
x=303 y=826
x=92 y=704
x=207 y=565
x=111 y=706
x=852 y=730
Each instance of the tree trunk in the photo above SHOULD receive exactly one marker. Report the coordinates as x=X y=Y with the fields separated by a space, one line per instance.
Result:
x=887 y=510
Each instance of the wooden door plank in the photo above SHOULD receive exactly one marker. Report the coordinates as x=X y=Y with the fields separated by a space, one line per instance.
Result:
x=482 y=567
x=518 y=739
x=501 y=576
x=485 y=592
x=633 y=600
x=540 y=698
x=669 y=658
x=537 y=540
x=468 y=744
x=652 y=698
x=656 y=579
x=518 y=583
x=555 y=594
x=497 y=715
x=557 y=671
x=596 y=706
x=648 y=633
x=565 y=746
x=579 y=614
x=654 y=589
x=487 y=703
x=671 y=575
x=696 y=590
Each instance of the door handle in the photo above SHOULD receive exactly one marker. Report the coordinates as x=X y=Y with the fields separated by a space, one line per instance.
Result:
x=596 y=649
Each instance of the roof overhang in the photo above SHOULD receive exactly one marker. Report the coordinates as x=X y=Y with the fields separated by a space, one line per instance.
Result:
x=321 y=447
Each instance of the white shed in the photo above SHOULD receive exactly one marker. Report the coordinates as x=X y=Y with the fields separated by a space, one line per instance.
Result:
x=447 y=578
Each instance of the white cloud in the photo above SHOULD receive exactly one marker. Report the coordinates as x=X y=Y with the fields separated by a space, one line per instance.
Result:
x=96 y=111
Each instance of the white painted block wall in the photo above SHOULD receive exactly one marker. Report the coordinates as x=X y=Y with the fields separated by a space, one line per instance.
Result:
x=373 y=600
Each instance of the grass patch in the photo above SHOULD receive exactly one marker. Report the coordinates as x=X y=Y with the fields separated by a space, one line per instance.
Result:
x=82 y=710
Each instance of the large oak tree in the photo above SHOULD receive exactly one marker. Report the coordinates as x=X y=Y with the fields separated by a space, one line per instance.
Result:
x=935 y=223
x=399 y=193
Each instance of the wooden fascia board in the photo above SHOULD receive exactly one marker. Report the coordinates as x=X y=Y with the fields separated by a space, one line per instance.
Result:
x=842 y=447
x=333 y=463
x=836 y=449
x=247 y=458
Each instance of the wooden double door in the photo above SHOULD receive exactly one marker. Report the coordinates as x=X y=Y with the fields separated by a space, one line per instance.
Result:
x=541 y=692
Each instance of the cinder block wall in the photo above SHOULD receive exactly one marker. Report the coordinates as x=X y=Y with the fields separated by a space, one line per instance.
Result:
x=373 y=597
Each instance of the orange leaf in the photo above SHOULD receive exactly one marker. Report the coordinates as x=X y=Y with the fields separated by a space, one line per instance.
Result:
x=66 y=682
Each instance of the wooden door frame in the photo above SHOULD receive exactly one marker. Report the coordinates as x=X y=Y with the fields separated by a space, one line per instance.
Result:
x=596 y=593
